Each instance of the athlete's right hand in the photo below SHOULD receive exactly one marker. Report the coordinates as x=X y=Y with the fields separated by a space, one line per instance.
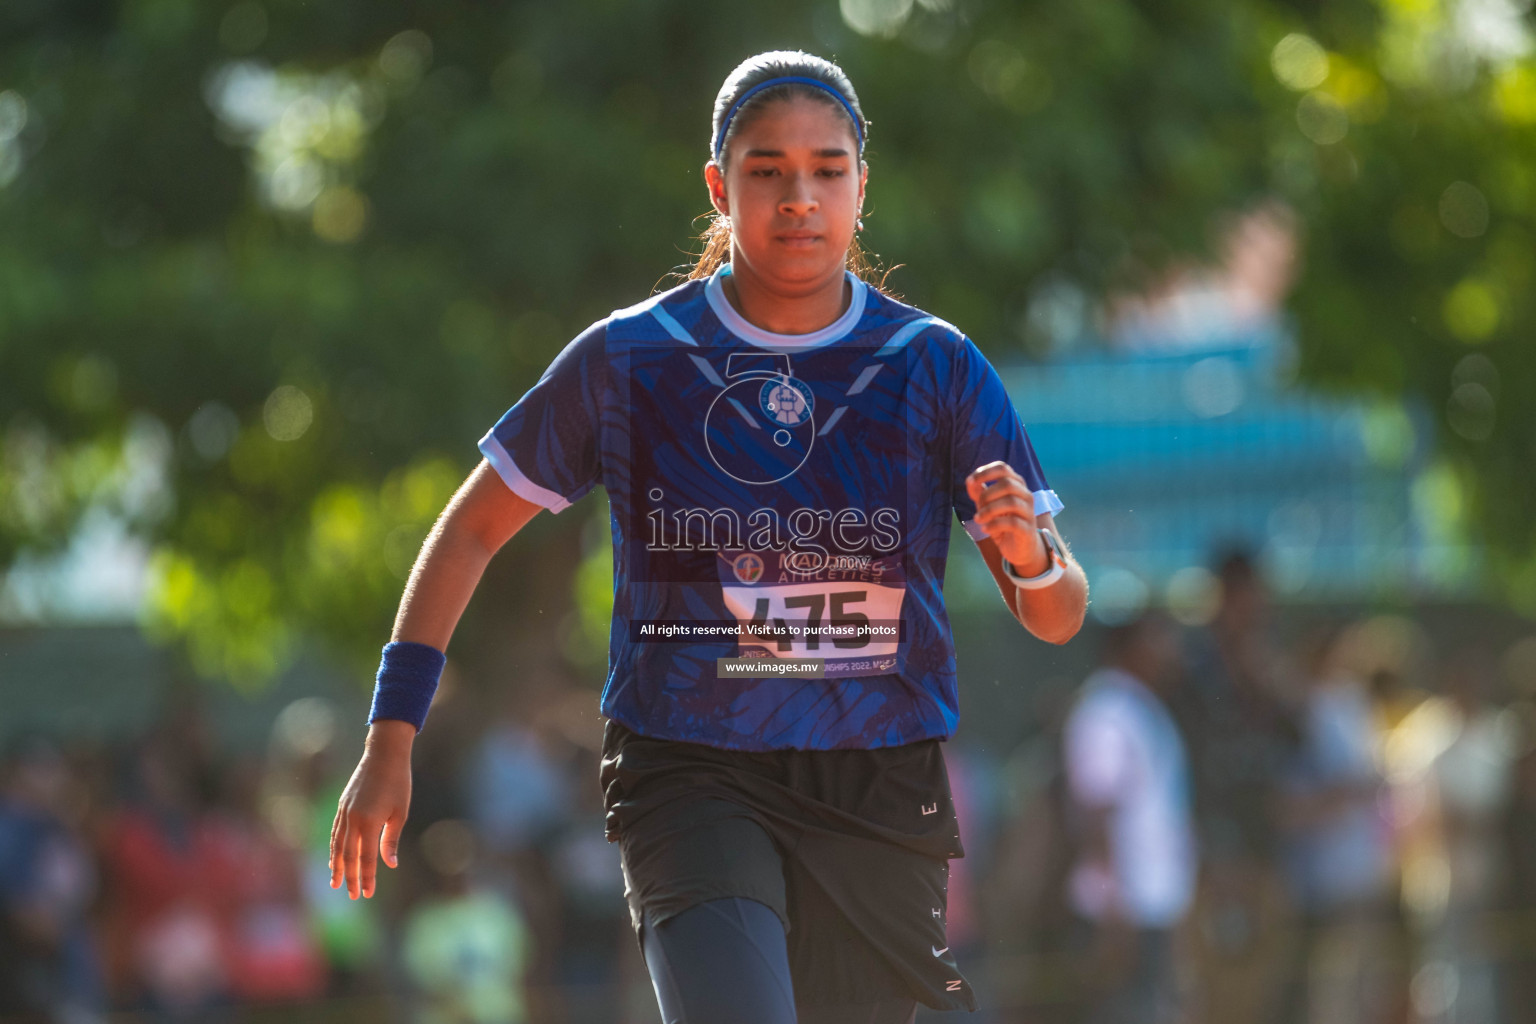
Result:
x=376 y=799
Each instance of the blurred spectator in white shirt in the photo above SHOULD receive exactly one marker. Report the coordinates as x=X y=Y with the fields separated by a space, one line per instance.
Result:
x=1472 y=780
x=1338 y=855
x=1129 y=785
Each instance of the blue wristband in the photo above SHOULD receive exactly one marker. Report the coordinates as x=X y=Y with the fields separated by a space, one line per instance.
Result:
x=407 y=679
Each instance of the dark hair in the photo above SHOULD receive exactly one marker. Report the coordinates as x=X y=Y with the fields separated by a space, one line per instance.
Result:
x=781 y=64
x=751 y=72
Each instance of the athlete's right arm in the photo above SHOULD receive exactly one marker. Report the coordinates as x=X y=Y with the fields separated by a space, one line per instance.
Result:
x=482 y=516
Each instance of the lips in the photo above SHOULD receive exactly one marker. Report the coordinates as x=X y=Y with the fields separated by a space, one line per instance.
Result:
x=798 y=239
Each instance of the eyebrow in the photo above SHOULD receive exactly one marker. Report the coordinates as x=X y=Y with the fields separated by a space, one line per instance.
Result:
x=779 y=153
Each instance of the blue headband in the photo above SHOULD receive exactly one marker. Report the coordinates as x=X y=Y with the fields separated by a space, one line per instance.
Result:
x=725 y=123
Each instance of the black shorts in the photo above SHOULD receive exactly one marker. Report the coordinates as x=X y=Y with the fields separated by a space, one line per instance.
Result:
x=850 y=848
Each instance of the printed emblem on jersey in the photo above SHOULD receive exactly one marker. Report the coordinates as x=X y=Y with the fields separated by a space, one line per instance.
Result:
x=787 y=401
x=748 y=567
x=761 y=428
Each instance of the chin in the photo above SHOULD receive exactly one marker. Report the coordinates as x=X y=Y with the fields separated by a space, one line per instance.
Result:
x=799 y=269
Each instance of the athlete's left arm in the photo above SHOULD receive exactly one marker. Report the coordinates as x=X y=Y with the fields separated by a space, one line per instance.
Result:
x=1005 y=509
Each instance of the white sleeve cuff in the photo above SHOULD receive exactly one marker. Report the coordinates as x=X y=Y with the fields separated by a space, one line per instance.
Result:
x=501 y=460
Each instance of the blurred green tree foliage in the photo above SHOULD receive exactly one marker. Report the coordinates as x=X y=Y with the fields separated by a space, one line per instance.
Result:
x=301 y=255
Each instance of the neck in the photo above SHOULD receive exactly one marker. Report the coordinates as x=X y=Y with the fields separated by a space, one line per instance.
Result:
x=797 y=309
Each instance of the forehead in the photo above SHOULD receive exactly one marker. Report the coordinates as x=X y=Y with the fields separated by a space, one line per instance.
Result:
x=797 y=122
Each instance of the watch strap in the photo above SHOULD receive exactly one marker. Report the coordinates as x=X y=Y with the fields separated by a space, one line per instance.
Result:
x=1053 y=572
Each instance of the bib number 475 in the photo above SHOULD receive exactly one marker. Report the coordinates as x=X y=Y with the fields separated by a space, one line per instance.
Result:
x=853 y=636
x=842 y=621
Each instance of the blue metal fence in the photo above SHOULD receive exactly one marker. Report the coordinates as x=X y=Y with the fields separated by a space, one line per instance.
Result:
x=1160 y=458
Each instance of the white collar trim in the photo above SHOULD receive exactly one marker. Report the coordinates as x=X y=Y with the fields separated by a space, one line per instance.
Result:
x=738 y=325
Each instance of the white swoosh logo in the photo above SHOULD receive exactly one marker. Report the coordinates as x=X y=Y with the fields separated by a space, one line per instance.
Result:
x=941 y=952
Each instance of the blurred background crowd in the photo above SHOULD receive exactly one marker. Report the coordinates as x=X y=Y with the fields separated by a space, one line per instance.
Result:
x=1266 y=817
x=1260 y=276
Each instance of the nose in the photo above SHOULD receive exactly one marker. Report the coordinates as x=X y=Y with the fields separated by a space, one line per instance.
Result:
x=798 y=198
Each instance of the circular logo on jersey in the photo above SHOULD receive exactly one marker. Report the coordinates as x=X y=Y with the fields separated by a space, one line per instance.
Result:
x=748 y=567
x=759 y=431
x=786 y=401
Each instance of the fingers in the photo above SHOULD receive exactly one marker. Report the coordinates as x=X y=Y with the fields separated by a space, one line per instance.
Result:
x=1006 y=511
x=355 y=855
x=995 y=478
x=1004 y=503
x=1013 y=536
x=351 y=850
x=983 y=475
x=368 y=859
x=1007 y=522
x=337 y=831
x=1005 y=508
x=389 y=842
x=992 y=506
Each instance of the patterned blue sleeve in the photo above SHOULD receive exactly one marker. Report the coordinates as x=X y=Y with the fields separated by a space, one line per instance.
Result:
x=988 y=429
x=547 y=447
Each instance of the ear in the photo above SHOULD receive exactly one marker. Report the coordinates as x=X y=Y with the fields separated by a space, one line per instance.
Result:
x=714 y=179
x=863 y=180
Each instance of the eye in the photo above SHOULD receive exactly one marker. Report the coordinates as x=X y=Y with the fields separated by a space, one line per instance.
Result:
x=764 y=172
x=832 y=172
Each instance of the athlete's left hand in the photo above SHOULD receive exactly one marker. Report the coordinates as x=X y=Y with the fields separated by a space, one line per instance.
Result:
x=1005 y=508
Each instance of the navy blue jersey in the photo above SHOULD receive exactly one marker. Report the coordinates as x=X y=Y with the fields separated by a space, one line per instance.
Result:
x=780 y=498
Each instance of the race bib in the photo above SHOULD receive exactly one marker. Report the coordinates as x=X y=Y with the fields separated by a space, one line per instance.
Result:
x=844 y=609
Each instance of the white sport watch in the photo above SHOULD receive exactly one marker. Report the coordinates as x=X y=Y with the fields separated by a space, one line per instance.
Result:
x=1053 y=572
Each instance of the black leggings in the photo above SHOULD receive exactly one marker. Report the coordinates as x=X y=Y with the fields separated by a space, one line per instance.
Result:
x=727 y=962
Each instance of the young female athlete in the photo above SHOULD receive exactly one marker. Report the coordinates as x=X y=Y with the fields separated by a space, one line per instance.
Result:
x=782 y=446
